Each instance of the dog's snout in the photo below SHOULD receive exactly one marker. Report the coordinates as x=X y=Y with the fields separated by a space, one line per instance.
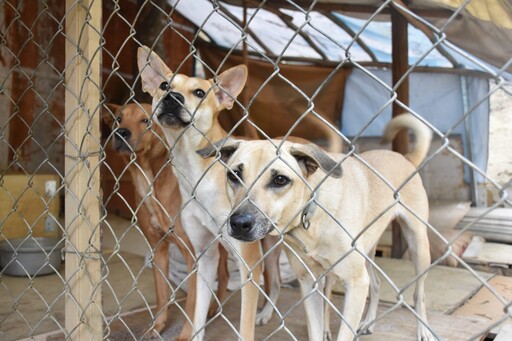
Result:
x=175 y=97
x=123 y=134
x=241 y=223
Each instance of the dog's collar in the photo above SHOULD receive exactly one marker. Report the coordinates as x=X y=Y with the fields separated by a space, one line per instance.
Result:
x=298 y=241
x=307 y=213
x=305 y=218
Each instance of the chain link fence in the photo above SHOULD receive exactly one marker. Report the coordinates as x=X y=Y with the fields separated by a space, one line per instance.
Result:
x=98 y=240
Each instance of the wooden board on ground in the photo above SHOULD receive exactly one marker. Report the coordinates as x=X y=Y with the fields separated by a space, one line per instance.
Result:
x=485 y=304
x=493 y=225
x=446 y=288
x=491 y=257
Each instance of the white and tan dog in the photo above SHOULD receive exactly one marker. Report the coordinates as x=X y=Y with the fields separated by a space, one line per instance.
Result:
x=187 y=109
x=332 y=210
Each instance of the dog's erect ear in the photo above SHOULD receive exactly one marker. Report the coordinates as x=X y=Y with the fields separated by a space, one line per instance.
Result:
x=226 y=148
x=108 y=113
x=152 y=70
x=310 y=157
x=231 y=83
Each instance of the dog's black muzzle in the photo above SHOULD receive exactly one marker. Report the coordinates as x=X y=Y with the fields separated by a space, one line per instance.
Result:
x=170 y=110
x=121 y=138
x=242 y=227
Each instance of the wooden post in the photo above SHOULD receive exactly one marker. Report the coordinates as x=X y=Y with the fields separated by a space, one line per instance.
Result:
x=82 y=198
x=249 y=130
x=400 y=54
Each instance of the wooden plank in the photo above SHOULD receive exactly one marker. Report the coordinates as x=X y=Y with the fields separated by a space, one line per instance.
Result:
x=25 y=206
x=82 y=214
x=494 y=225
x=489 y=305
x=499 y=213
x=491 y=254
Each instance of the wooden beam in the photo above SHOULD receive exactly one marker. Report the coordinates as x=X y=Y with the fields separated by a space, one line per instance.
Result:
x=249 y=130
x=400 y=55
x=82 y=149
x=425 y=29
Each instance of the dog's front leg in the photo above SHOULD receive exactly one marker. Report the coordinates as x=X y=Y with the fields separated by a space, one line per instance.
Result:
x=330 y=280
x=160 y=264
x=206 y=270
x=356 y=290
x=249 y=268
x=272 y=278
x=313 y=304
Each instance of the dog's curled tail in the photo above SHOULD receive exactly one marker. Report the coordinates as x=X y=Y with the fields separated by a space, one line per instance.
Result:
x=422 y=133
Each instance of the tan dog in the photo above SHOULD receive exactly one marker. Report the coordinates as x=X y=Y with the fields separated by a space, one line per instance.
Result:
x=332 y=210
x=158 y=201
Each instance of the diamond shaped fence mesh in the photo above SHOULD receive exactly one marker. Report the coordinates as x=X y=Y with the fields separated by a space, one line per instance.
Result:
x=214 y=170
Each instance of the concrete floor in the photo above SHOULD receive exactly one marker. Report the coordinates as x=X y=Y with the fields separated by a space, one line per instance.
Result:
x=36 y=307
x=395 y=324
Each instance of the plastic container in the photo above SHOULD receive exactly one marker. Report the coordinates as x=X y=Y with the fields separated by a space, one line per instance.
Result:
x=32 y=256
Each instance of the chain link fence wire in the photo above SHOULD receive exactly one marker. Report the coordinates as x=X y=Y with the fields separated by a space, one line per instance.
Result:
x=93 y=225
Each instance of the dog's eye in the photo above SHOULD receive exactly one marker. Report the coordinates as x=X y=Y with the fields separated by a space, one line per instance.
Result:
x=280 y=181
x=199 y=93
x=118 y=119
x=234 y=176
x=145 y=120
x=165 y=86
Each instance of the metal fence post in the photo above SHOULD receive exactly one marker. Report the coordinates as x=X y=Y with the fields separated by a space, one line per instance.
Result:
x=82 y=172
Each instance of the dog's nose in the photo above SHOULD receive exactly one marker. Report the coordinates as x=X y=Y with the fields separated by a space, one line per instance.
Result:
x=175 y=97
x=241 y=222
x=123 y=134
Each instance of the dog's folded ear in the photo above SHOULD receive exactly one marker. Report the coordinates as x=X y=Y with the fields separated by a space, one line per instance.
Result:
x=108 y=113
x=310 y=157
x=153 y=70
x=226 y=147
x=231 y=83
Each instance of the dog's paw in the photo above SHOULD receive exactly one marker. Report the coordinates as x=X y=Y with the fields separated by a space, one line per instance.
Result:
x=424 y=334
x=213 y=310
x=366 y=331
x=366 y=328
x=327 y=335
x=263 y=316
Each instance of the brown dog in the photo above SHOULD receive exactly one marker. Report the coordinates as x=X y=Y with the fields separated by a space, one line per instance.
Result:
x=158 y=201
